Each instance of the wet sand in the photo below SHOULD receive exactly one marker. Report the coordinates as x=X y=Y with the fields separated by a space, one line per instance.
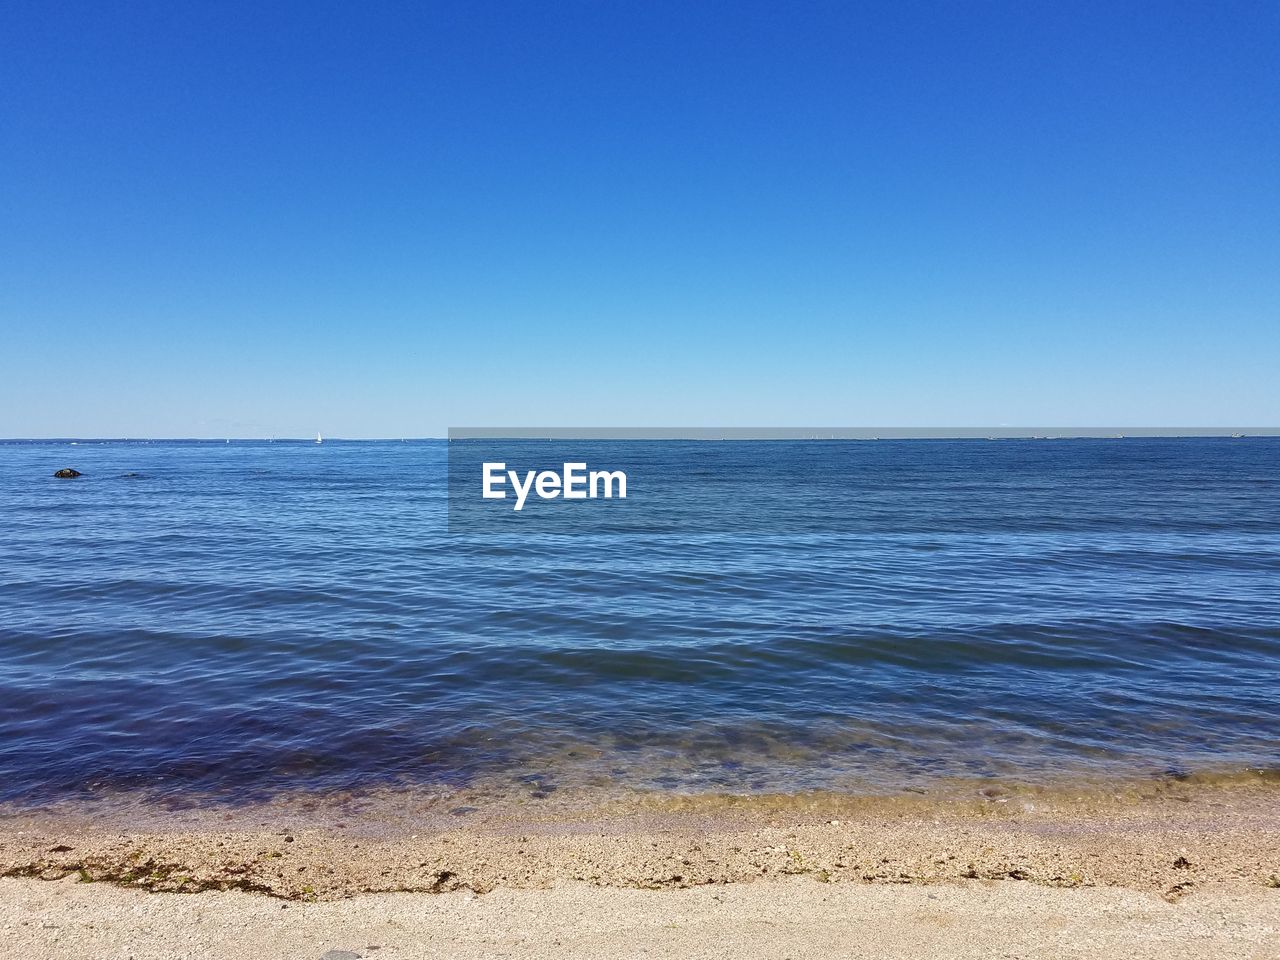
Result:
x=1195 y=864
x=1165 y=836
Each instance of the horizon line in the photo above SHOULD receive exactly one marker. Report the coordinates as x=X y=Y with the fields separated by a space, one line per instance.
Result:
x=715 y=433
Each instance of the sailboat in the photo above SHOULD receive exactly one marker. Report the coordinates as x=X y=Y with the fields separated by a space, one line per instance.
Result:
x=319 y=439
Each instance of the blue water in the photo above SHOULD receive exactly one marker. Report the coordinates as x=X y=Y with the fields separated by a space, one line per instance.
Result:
x=240 y=619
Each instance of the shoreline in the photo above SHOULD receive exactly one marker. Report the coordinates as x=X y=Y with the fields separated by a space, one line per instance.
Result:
x=1167 y=837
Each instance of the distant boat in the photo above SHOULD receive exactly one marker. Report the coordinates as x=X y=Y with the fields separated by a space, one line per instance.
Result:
x=1237 y=436
x=319 y=439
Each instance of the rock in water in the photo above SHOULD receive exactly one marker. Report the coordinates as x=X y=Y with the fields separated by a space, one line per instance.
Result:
x=66 y=473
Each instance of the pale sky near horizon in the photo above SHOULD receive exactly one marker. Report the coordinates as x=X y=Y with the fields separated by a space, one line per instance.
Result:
x=382 y=220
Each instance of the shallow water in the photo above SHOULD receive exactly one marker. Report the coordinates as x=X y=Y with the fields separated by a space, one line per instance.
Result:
x=241 y=619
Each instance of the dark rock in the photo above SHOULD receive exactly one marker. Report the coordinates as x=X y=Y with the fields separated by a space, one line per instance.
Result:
x=1182 y=863
x=66 y=473
x=339 y=955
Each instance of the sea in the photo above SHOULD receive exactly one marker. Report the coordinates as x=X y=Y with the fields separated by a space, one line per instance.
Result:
x=238 y=620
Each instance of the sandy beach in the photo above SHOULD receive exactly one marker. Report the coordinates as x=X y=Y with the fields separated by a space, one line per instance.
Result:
x=1159 y=868
x=772 y=919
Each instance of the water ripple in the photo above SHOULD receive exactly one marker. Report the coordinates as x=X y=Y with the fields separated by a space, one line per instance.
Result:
x=246 y=618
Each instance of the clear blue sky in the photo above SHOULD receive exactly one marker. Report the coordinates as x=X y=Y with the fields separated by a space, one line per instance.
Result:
x=382 y=219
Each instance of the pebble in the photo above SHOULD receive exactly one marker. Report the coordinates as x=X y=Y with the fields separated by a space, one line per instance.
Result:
x=340 y=955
